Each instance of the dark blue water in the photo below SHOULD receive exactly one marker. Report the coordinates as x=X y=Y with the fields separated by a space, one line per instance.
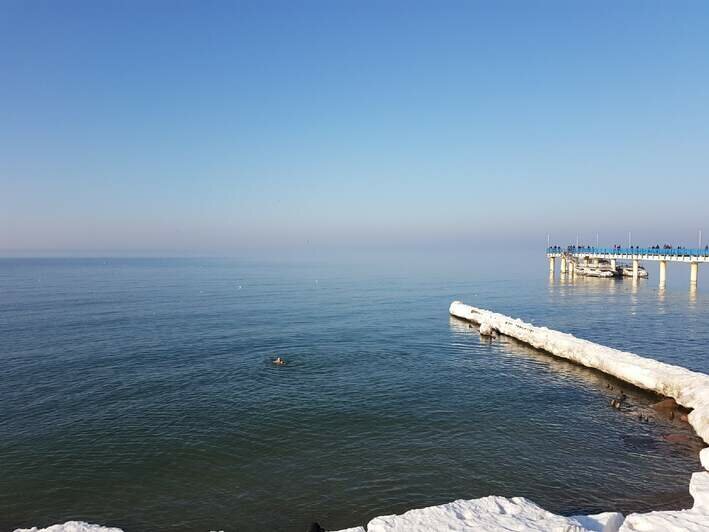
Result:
x=140 y=393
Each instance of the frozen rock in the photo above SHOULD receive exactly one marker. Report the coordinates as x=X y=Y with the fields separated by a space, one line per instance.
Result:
x=678 y=521
x=603 y=522
x=699 y=490
x=71 y=526
x=486 y=329
x=689 y=388
x=487 y=514
x=665 y=404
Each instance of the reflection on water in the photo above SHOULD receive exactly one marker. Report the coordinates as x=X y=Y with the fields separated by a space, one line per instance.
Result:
x=639 y=429
x=638 y=402
x=595 y=286
x=385 y=404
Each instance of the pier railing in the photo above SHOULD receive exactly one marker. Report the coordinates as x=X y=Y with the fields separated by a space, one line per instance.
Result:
x=671 y=252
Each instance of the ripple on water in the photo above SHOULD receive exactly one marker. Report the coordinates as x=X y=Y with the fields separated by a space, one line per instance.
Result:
x=142 y=394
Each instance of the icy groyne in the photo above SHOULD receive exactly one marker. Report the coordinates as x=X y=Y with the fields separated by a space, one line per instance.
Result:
x=491 y=514
x=689 y=388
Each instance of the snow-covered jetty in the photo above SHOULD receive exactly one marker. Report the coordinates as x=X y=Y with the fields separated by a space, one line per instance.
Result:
x=689 y=388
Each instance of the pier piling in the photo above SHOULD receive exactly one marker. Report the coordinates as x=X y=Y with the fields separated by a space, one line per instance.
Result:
x=585 y=255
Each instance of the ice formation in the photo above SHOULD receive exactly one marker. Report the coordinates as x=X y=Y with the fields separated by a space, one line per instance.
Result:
x=487 y=514
x=71 y=526
x=689 y=388
x=491 y=514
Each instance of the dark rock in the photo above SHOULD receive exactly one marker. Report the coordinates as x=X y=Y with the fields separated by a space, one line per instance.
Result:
x=665 y=405
x=315 y=527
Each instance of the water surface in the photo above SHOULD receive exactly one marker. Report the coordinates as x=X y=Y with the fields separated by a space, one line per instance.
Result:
x=139 y=393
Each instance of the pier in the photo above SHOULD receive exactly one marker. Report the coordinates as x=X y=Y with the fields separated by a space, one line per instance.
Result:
x=572 y=255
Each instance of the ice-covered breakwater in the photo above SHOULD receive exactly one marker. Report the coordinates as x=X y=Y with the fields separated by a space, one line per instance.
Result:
x=490 y=514
x=689 y=388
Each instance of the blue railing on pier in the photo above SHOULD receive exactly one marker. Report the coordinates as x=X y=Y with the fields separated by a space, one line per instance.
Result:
x=667 y=252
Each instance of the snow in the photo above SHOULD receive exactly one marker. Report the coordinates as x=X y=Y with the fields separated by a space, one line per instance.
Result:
x=689 y=388
x=491 y=514
x=699 y=490
x=679 y=521
x=604 y=522
x=486 y=329
x=704 y=458
x=71 y=526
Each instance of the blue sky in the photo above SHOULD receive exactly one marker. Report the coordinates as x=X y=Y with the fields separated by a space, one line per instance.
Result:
x=220 y=127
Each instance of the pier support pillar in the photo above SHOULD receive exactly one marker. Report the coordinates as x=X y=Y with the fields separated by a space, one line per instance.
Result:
x=663 y=272
x=551 y=265
x=613 y=264
x=572 y=267
x=636 y=265
x=563 y=265
x=693 y=272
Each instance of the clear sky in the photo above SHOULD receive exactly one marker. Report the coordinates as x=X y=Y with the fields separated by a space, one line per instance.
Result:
x=220 y=127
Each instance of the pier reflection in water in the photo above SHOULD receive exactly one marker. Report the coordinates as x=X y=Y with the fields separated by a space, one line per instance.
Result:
x=384 y=405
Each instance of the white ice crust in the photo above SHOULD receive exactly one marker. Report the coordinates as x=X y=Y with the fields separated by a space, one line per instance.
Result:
x=704 y=458
x=689 y=388
x=487 y=514
x=71 y=526
x=604 y=522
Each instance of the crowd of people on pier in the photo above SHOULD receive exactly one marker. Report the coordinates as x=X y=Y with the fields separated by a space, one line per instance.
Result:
x=619 y=248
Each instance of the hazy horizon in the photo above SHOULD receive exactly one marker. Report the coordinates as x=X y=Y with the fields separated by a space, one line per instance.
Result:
x=267 y=128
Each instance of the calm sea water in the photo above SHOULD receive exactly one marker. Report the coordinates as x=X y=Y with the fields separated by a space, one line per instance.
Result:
x=140 y=393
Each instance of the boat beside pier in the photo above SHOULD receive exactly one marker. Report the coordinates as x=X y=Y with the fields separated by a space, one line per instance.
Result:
x=572 y=257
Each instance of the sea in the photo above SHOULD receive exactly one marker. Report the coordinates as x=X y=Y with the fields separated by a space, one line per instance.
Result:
x=140 y=393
